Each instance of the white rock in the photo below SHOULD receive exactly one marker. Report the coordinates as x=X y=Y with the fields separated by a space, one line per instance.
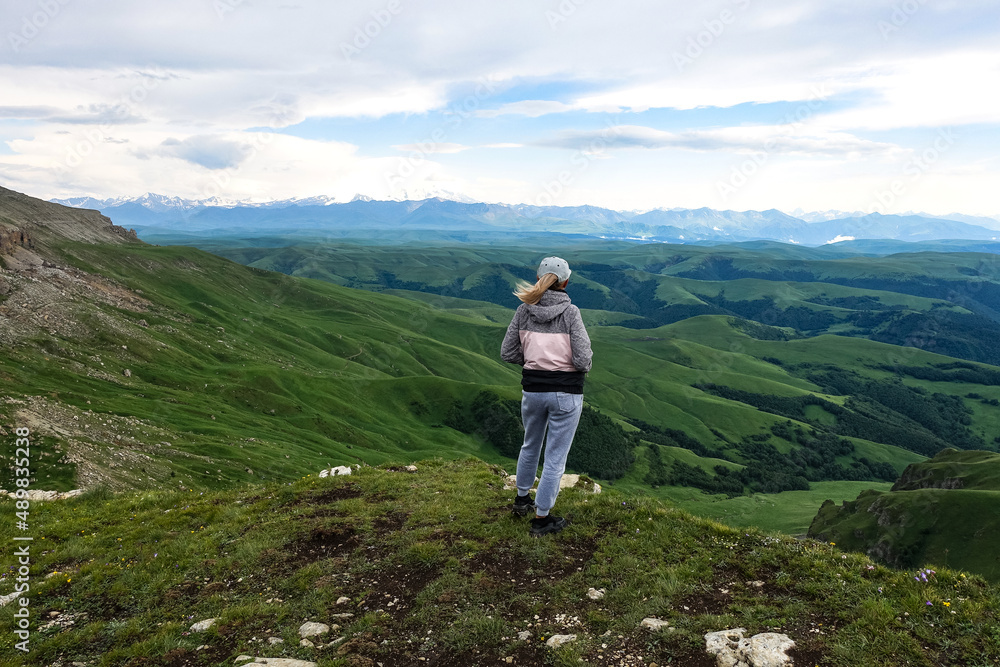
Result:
x=38 y=494
x=411 y=468
x=241 y=658
x=278 y=662
x=305 y=643
x=524 y=635
x=201 y=626
x=732 y=649
x=275 y=640
x=311 y=629
x=768 y=649
x=596 y=593
x=343 y=600
x=4 y=599
x=568 y=481
x=555 y=641
x=654 y=624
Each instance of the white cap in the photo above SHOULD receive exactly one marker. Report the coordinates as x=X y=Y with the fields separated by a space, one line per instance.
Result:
x=556 y=265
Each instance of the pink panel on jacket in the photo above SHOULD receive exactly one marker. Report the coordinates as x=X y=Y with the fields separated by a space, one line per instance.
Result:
x=547 y=351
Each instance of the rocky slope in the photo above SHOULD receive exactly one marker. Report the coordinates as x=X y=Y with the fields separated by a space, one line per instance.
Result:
x=26 y=222
x=39 y=292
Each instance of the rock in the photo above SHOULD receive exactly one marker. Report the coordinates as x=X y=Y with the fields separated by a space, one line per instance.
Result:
x=312 y=629
x=305 y=643
x=596 y=593
x=524 y=635
x=732 y=649
x=37 y=494
x=654 y=624
x=333 y=472
x=343 y=600
x=769 y=649
x=273 y=641
x=4 y=599
x=276 y=662
x=568 y=481
x=555 y=641
x=201 y=626
x=127 y=373
x=410 y=468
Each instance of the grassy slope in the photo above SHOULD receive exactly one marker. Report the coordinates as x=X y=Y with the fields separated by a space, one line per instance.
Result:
x=356 y=376
x=956 y=526
x=322 y=374
x=434 y=567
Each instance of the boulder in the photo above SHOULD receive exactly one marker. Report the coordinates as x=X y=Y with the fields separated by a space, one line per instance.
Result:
x=555 y=641
x=201 y=626
x=273 y=662
x=337 y=470
x=311 y=629
x=732 y=649
x=568 y=481
x=654 y=624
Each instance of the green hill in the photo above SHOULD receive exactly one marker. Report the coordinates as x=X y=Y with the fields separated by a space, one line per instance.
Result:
x=940 y=511
x=142 y=367
x=430 y=567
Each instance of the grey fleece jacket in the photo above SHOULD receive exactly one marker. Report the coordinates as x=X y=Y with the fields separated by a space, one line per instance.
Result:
x=550 y=341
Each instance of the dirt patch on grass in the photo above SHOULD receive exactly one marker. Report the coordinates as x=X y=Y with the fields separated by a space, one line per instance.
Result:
x=523 y=654
x=510 y=568
x=328 y=496
x=392 y=589
x=390 y=523
x=318 y=544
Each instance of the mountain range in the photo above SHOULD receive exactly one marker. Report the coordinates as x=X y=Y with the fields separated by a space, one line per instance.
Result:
x=152 y=213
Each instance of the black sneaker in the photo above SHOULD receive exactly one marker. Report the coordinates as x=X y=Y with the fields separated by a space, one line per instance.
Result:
x=523 y=505
x=547 y=524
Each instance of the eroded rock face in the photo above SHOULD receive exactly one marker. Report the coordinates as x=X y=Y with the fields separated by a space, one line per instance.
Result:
x=732 y=649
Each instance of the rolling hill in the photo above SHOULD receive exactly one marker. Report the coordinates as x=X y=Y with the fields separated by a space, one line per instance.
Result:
x=941 y=511
x=144 y=366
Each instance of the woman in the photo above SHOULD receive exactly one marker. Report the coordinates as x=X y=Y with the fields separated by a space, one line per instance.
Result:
x=548 y=339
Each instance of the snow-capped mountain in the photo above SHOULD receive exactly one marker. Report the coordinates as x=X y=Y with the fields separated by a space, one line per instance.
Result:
x=362 y=214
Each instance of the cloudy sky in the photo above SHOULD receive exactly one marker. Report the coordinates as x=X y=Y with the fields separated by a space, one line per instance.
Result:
x=634 y=104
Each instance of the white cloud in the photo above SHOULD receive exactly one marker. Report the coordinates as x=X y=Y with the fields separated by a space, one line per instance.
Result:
x=432 y=147
x=211 y=152
x=107 y=83
x=529 y=108
x=769 y=139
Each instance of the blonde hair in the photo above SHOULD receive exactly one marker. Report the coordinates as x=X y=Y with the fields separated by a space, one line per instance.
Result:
x=531 y=294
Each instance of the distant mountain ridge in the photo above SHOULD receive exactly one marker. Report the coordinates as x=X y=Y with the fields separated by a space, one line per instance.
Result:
x=702 y=225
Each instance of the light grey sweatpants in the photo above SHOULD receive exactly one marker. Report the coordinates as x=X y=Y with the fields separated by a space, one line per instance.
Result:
x=559 y=414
